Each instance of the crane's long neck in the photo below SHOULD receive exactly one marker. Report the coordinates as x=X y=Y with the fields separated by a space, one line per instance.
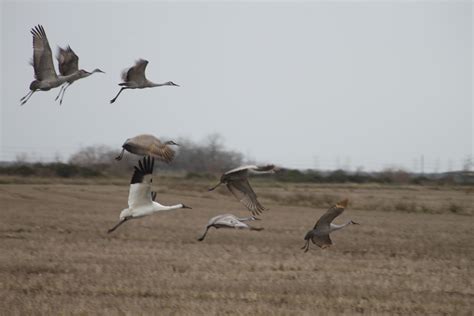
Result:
x=261 y=172
x=152 y=84
x=335 y=227
x=157 y=207
x=71 y=77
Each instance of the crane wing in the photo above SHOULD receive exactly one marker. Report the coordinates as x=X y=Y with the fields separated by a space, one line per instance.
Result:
x=227 y=220
x=242 y=190
x=136 y=73
x=324 y=221
x=161 y=151
x=68 y=61
x=322 y=241
x=140 y=185
x=42 y=56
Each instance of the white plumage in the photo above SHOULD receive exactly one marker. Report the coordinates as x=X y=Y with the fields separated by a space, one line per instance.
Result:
x=140 y=198
x=229 y=221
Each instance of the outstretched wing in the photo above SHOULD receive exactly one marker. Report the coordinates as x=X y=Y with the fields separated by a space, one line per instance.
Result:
x=42 y=56
x=161 y=151
x=242 y=190
x=140 y=185
x=136 y=73
x=68 y=61
x=325 y=221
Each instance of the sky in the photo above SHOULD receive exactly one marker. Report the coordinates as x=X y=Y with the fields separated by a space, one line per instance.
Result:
x=353 y=84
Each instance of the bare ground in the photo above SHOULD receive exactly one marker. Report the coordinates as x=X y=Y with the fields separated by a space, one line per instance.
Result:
x=412 y=253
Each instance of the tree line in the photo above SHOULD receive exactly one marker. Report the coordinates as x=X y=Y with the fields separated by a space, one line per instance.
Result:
x=209 y=159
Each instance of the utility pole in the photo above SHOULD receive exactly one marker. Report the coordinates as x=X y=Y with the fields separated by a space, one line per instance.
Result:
x=422 y=164
x=316 y=163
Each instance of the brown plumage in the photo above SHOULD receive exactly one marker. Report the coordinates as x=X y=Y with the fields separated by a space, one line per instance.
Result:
x=319 y=235
x=149 y=145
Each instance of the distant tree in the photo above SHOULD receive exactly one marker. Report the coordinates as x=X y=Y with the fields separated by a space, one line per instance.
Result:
x=93 y=155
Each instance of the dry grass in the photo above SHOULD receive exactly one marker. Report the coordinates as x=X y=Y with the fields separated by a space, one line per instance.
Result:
x=56 y=257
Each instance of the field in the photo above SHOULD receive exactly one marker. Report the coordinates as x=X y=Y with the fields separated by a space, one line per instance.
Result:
x=412 y=253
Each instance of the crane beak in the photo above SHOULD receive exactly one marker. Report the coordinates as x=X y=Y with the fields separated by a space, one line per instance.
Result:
x=185 y=206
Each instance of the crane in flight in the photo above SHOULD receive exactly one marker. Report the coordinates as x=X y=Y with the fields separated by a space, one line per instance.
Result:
x=319 y=235
x=140 y=198
x=42 y=62
x=237 y=182
x=68 y=63
x=230 y=221
x=148 y=145
x=134 y=78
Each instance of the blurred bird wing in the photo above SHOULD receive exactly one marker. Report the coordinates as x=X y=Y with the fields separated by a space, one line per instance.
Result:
x=140 y=185
x=227 y=220
x=242 y=190
x=322 y=241
x=161 y=151
x=216 y=218
x=325 y=220
x=68 y=61
x=42 y=56
x=136 y=73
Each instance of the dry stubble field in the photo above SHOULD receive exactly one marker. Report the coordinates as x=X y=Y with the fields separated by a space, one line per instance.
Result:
x=412 y=253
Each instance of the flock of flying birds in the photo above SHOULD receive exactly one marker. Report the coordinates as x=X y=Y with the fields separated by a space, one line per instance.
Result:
x=141 y=200
x=46 y=77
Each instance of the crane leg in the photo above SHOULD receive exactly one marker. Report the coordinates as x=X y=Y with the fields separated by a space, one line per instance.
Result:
x=119 y=157
x=27 y=97
x=64 y=91
x=204 y=235
x=214 y=187
x=306 y=246
x=121 y=89
x=118 y=224
x=60 y=90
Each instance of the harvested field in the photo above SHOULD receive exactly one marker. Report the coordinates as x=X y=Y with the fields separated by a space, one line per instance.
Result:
x=412 y=253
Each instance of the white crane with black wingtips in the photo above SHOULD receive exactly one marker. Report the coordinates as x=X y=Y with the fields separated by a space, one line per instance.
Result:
x=140 y=198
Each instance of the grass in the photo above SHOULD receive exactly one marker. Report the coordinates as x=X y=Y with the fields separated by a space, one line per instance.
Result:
x=403 y=259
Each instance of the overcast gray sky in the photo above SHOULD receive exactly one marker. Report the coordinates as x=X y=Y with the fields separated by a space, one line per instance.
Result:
x=305 y=84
